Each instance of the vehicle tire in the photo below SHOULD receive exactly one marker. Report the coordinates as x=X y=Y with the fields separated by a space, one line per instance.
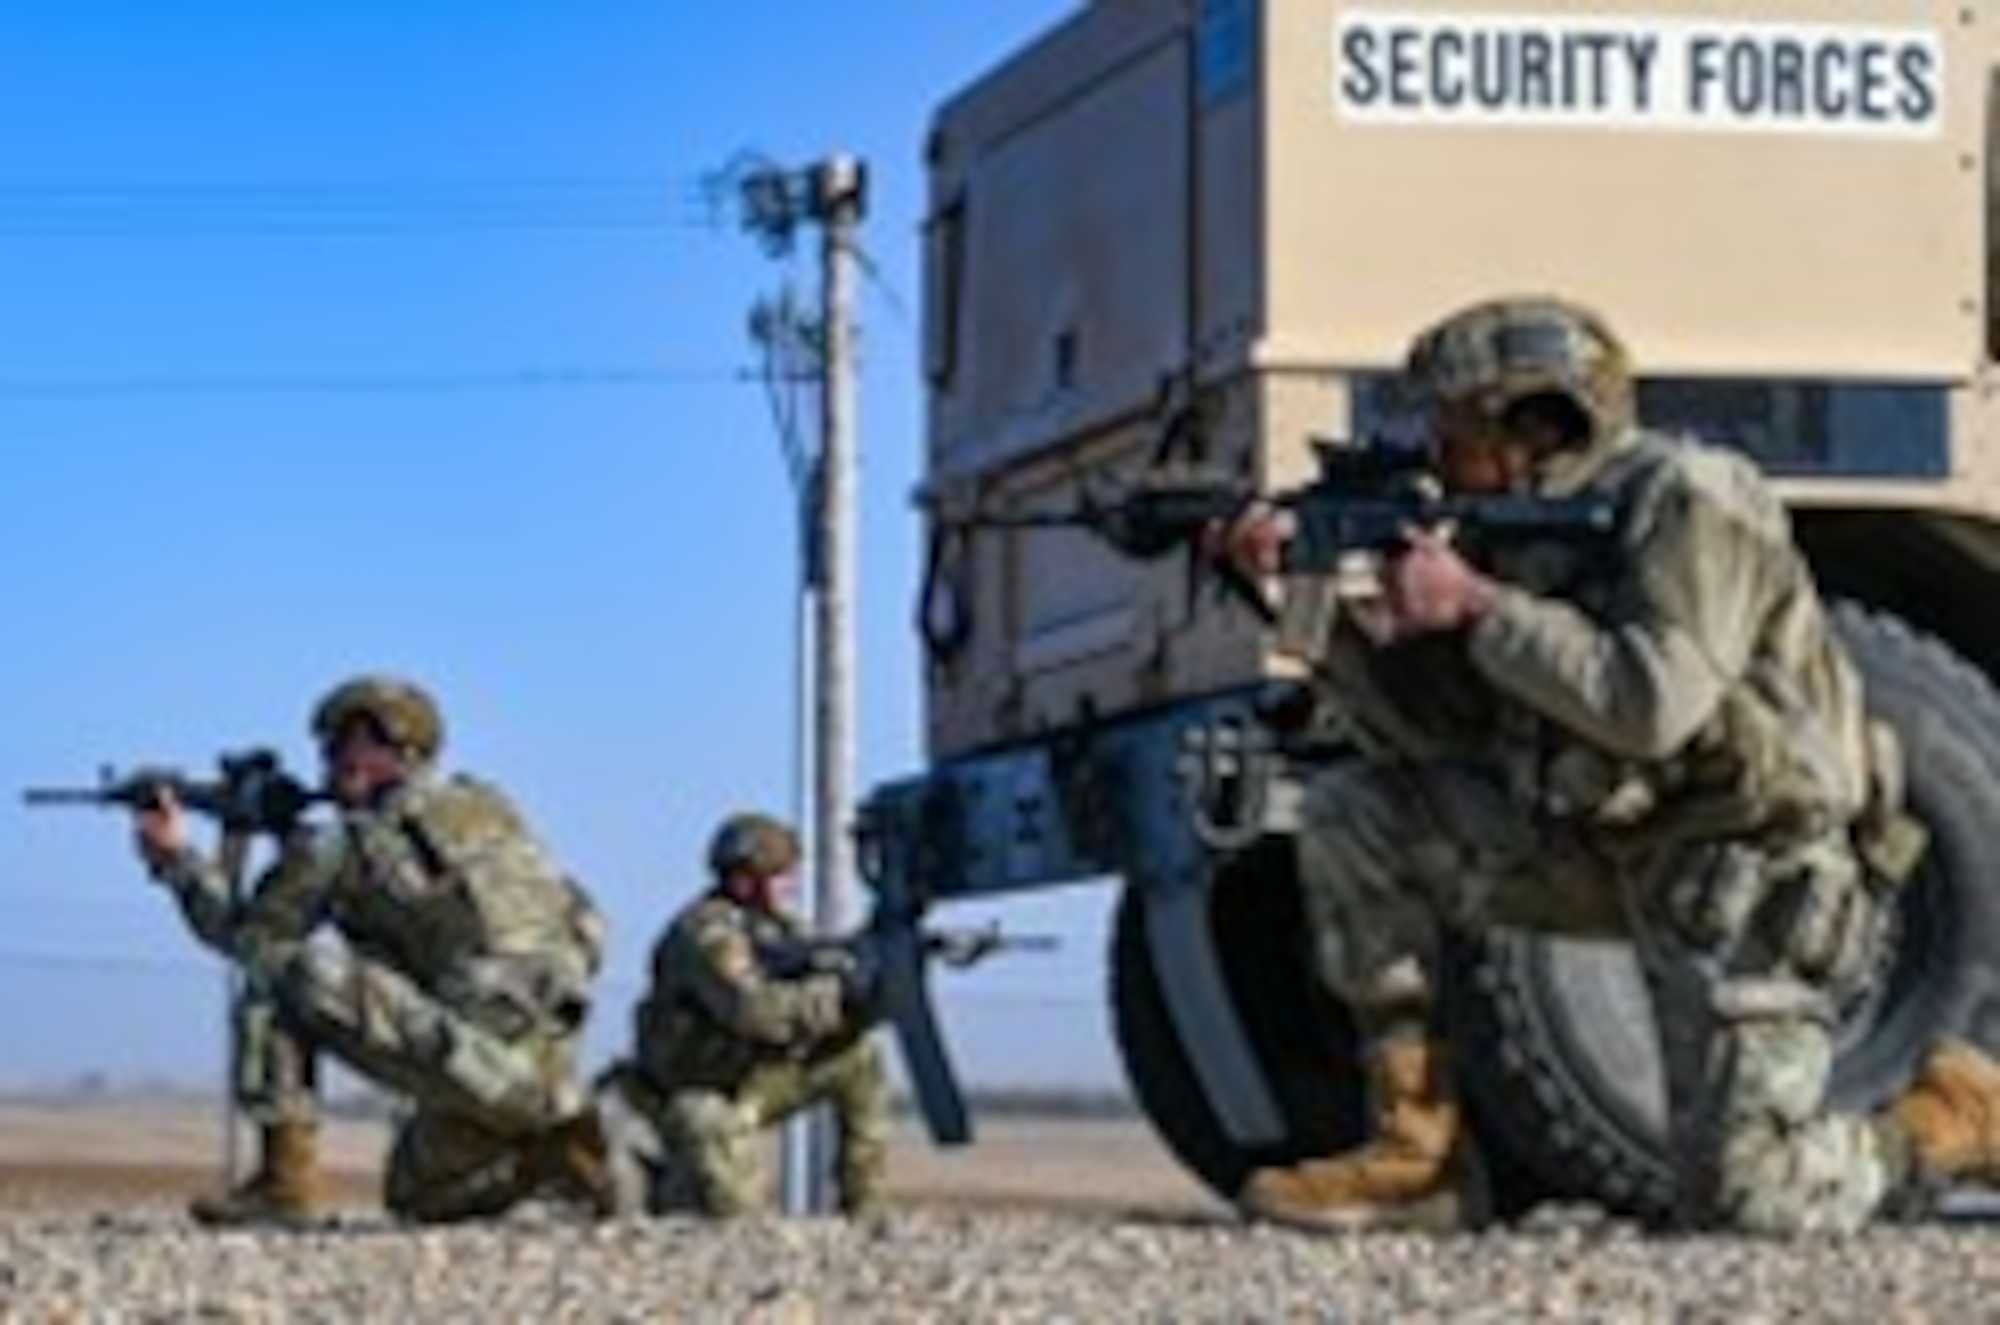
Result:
x=1304 y=1040
x=1562 y=1063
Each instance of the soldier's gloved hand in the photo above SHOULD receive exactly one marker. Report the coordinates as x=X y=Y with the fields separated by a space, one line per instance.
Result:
x=1253 y=540
x=157 y=832
x=861 y=976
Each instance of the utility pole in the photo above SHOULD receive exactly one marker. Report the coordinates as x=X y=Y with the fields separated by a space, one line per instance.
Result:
x=831 y=194
x=838 y=195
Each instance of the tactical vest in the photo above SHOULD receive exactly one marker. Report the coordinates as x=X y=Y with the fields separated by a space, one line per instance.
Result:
x=681 y=1042
x=446 y=884
x=1785 y=753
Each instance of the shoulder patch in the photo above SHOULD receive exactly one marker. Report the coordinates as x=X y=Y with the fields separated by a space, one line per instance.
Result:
x=708 y=924
x=712 y=934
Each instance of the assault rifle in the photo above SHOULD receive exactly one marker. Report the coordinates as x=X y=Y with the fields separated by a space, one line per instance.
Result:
x=963 y=948
x=251 y=793
x=956 y=948
x=1365 y=501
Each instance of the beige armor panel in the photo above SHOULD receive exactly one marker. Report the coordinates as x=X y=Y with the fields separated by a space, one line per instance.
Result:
x=1267 y=199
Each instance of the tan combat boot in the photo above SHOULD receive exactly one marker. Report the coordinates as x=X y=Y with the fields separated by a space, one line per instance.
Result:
x=1951 y=1114
x=572 y=1161
x=1404 y=1177
x=283 y=1190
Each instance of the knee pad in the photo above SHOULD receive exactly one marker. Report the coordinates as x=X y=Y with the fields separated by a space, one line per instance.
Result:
x=1776 y=1074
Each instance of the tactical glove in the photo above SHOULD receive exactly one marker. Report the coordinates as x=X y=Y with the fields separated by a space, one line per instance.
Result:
x=861 y=977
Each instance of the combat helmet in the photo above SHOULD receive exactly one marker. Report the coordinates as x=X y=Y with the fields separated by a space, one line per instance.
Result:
x=752 y=841
x=404 y=711
x=1499 y=352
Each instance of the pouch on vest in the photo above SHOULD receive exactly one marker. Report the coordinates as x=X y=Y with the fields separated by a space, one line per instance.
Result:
x=1740 y=777
x=1889 y=840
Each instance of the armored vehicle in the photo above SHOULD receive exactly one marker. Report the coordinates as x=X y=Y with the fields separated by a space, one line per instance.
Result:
x=1204 y=230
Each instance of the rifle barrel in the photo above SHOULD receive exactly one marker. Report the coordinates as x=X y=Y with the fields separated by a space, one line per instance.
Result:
x=63 y=796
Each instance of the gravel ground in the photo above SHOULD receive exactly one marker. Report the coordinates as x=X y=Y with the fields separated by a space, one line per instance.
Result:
x=1045 y=1220
x=955 y=1266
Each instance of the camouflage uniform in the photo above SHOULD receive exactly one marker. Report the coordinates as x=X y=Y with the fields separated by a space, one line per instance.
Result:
x=274 y=1072
x=462 y=981
x=748 y=1021
x=1660 y=739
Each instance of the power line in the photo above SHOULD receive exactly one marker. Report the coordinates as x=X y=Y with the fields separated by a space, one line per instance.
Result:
x=100 y=961
x=892 y=297
x=347 y=209
x=334 y=383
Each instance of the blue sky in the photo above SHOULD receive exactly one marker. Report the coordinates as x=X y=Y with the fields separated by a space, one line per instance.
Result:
x=358 y=336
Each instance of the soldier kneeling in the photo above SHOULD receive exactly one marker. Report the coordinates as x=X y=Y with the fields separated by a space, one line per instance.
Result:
x=428 y=940
x=748 y=1021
